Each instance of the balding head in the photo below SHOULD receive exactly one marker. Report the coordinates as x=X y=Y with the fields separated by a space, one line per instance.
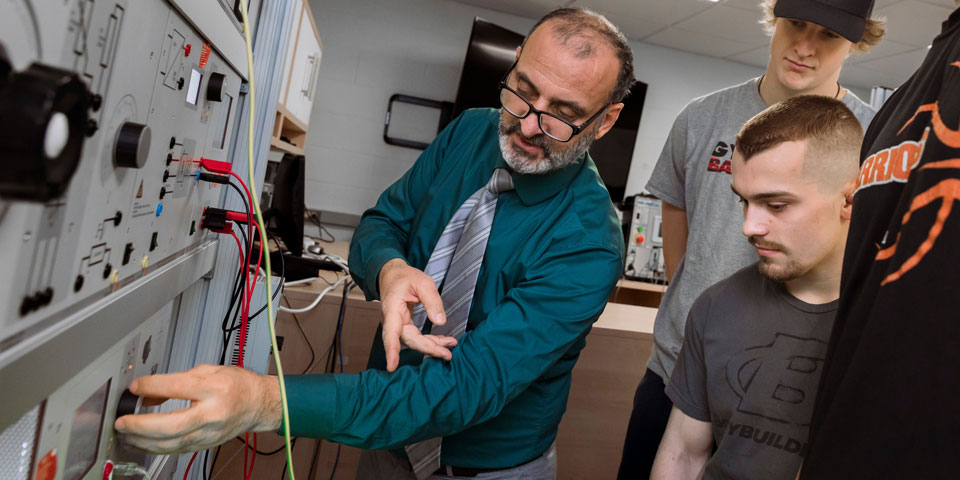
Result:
x=588 y=33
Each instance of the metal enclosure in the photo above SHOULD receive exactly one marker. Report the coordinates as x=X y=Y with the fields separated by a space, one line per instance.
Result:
x=110 y=279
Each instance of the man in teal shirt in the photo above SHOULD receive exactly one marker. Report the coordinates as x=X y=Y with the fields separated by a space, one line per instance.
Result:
x=553 y=256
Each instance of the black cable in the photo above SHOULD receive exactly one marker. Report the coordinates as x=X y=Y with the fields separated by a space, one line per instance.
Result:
x=293 y=441
x=213 y=465
x=276 y=291
x=343 y=308
x=321 y=229
x=313 y=355
x=238 y=289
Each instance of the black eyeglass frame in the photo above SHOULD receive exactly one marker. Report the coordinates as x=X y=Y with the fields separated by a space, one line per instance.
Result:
x=540 y=113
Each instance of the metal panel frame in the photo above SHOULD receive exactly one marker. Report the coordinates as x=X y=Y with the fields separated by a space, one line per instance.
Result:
x=38 y=366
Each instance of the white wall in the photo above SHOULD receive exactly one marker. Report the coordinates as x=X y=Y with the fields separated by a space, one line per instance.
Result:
x=371 y=50
x=375 y=48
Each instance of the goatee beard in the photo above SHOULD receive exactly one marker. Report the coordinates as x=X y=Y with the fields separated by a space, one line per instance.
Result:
x=523 y=162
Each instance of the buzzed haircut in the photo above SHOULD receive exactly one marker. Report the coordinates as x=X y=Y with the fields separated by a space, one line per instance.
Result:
x=579 y=28
x=832 y=132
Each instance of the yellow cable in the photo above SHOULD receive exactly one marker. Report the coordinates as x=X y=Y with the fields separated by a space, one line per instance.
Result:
x=263 y=231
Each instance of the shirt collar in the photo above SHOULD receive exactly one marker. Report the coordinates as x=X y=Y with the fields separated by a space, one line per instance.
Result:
x=533 y=189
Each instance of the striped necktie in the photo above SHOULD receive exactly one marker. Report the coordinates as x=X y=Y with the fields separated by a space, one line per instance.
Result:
x=457 y=258
x=459 y=253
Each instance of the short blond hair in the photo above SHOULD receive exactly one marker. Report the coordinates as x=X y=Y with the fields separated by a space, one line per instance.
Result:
x=872 y=34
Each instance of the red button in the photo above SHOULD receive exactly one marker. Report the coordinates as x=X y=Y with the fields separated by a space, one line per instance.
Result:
x=640 y=239
x=186 y=50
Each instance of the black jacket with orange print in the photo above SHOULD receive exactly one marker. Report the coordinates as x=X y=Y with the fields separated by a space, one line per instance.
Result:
x=889 y=400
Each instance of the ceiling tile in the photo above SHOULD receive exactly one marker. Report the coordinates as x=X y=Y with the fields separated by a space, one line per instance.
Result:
x=745 y=4
x=943 y=3
x=728 y=22
x=883 y=49
x=901 y=64
x=634 y=28
x=666 y=12
x=697 y=42
x=853 y=75
x=757 y=57
x=913 y=22
x=526 y=8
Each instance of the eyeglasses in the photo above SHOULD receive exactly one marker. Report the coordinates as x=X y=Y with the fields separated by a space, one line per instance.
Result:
x=551 y=125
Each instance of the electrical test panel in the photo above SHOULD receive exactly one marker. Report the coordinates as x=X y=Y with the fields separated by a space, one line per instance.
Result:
x=645 y=242
x=106 y=108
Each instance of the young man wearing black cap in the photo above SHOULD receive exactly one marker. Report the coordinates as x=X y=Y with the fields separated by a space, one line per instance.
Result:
x=877 y=415
x=702 y=243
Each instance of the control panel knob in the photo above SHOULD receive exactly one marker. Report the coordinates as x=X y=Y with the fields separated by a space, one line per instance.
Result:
x=44 y=113
x=215 y=86
x=133 y=145
x=128 y=404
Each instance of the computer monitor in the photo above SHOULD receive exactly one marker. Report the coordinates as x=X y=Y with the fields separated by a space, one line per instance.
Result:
x=284 y=216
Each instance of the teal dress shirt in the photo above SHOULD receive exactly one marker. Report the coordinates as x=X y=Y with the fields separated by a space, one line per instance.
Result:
x=554 y=256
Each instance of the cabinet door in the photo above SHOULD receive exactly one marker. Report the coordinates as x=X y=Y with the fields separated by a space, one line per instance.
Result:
x=306 y=68
x=291 y=50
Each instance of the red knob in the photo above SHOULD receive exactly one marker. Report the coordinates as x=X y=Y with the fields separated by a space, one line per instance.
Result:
x=186 y=50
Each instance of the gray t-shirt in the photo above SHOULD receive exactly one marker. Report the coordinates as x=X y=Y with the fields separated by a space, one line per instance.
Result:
x=751 y=366
x=693 y=173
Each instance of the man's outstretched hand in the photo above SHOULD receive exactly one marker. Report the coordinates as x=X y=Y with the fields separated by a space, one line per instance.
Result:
x=224 y=402
x=402 y=287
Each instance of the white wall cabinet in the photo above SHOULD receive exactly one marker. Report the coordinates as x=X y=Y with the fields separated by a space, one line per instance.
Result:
x=299 y=87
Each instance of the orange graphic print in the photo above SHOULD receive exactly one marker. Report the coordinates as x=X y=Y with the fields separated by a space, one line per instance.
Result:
x=946 y=191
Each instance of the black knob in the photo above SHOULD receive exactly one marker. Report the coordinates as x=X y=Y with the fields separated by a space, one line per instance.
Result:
x=128 y=404
x=215 y=86
x=180 y=83
x=43 y=111
x=133 y=145
x=95 y=102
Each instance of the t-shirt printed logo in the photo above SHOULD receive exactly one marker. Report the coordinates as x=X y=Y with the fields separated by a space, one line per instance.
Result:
x=892 y=164
x=945 y=192
x=720 y=158
x=772 y=380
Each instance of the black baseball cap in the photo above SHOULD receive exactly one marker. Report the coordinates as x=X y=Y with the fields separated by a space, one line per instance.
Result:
x=846 y=17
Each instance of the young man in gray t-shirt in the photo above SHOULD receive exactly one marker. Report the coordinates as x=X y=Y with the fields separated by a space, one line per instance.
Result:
x=755 y=342
x=701 y=220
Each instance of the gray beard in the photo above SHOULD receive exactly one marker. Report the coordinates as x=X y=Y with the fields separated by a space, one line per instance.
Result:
x=521 y=162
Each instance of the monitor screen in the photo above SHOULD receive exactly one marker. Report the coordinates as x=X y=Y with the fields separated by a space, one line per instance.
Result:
x=284 y=218
x=85 y=434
